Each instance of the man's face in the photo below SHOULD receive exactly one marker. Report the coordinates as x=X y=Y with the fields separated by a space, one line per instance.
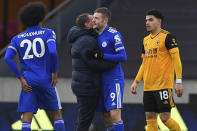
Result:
x=98 y=21
x=152 y=23
x=89 y=23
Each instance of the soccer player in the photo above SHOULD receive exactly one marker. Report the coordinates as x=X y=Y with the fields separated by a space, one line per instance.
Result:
x=112 y=49
x=160 y=54
x=36 y=48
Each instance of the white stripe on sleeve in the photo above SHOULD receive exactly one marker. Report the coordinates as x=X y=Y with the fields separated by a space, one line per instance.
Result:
x=12 y=47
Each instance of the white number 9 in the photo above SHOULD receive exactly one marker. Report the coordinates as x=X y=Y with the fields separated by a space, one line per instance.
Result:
x=113 y=95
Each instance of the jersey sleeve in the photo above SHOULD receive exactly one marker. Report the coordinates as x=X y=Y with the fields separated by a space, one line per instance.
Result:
x=142 y=50
x=171 y=43
x=51 y=36
x=118 y=43
x=13 y=45
x=51 y=43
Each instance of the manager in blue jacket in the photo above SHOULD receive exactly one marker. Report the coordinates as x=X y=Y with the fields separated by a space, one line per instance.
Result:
x=86 y=72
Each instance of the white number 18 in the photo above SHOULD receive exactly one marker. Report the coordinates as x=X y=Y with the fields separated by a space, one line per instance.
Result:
x=163 y=95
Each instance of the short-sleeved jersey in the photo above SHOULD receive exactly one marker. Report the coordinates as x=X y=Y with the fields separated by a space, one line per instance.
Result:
x=31 y=46
x=110 y=42
x=157 y=61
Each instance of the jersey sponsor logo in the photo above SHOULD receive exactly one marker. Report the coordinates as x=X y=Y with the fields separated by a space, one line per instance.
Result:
x=120 y=48
x=174 y=42
x=31 y=34
x=104 y=44
x=151 y=53
x=54 y=36
x=112 y=30
x=117 y=39
x=40 y=122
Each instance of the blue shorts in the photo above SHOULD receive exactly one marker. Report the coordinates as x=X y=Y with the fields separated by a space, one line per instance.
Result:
x=43 y=97
x=111 y=96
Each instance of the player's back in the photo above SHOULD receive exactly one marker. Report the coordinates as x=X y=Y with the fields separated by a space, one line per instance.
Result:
x=31 y=46
x=110 y=42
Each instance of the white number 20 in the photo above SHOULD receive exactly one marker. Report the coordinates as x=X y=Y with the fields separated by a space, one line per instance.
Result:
x=32 y=45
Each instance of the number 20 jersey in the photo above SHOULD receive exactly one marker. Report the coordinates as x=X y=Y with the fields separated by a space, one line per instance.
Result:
x=31 y=46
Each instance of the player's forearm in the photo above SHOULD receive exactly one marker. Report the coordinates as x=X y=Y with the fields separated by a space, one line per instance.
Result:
x=140 y=73
x=120 y=57
x=9 y=61
x=177 y=63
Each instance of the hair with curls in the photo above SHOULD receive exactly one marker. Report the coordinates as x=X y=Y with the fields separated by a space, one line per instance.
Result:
x=32 y=14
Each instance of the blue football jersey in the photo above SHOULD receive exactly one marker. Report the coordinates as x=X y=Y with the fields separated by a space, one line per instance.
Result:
x=110 y=42
x=31 y=46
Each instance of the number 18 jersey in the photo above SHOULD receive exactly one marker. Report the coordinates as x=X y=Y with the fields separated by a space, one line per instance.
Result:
x=31 y=46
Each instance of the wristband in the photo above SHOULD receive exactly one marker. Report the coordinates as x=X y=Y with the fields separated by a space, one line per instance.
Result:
x=178 y=81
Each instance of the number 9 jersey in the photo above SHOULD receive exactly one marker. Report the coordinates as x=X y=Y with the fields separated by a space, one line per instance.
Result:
x=31 y=46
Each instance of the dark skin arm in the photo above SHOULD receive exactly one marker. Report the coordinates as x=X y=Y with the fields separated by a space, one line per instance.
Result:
x=24 y=85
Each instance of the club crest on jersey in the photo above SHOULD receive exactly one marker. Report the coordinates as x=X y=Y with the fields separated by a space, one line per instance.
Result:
x=157 y=42
x=104 y=44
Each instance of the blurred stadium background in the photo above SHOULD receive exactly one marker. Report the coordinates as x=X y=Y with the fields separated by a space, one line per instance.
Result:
x=128 y=16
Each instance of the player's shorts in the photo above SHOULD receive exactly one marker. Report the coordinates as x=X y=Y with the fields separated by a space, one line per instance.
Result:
x=44 y=97
x=158 y=101
x=111 y=96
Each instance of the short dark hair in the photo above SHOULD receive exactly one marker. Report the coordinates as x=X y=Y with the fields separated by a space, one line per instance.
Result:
x=105 y=11
x=155 y=13
x=82 y=19
x=32 y=14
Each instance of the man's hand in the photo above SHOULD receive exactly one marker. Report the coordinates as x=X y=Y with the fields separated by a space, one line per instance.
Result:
x=54 y=79
x=25 y=86
x=134 y=87
x=179 y=89
x=96 y=54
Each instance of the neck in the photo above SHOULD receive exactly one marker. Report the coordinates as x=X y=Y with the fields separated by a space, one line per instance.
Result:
x=154 y=32
x=102 y=29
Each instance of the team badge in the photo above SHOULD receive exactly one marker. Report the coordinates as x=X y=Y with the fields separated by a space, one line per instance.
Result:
x=157 y=42
x=104 y=44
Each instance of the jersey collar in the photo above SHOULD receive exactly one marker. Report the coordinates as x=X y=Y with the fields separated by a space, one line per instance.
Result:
x=106 y=29
x=153 y=36
x=34 y=27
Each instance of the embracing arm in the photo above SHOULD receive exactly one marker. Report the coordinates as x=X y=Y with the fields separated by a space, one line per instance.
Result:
x=120 y=57
x=96 y=64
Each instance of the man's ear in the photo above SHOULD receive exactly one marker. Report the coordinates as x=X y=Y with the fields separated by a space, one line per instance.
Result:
x=86 y=25
x=106 y=20
x=160 y=21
